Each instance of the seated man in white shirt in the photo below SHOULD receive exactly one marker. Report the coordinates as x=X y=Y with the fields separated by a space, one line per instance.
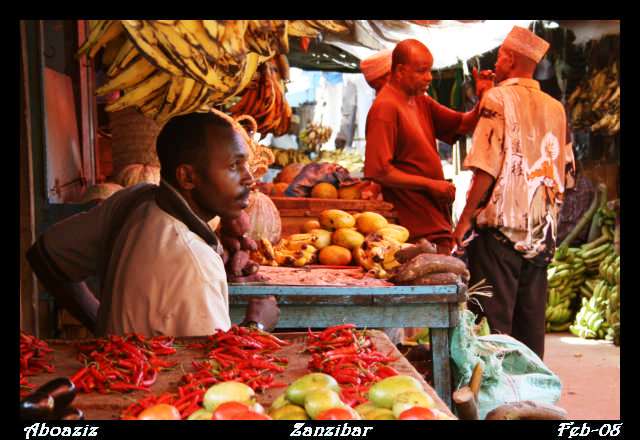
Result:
x=158 y=261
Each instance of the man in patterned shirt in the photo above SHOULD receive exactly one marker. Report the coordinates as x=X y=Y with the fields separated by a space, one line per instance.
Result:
x=522 y=162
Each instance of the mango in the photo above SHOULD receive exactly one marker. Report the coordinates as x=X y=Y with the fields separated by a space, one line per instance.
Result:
x=350 y=192
x=409 y=399
x=201 y=414
x=227 y=392
x=318 y=401
x=365 y=408
x=395 y=232
x=347 y=238
x=322 y=238
x=332 y=219
x=280 y=401
x=310 y=225
x=297 y=391
x=335 y=256
x=369 y=222
x=384 y=393
x=380 y=414
x=289 y=412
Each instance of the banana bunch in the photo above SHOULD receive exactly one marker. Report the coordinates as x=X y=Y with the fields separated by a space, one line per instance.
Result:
x=287 y=157
x=313 y=28
x=314 y=135
x=564 y=276
x=610 y=273
x=171 y=67
x=609 y=269
x=264 y=99
x=591 y=322
x=595 y=103
x=296 y=251
x=377 y=255
x=352 y=161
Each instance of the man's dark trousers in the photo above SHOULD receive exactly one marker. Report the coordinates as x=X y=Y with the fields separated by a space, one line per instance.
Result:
x=517 y=307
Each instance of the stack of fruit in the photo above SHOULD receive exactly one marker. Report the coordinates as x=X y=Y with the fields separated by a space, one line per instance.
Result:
x=575 y=272
x=599 y=316
x=234 y=235
x=314 y=135
x=338 y=239
x=595 y=104
x=317 y=396
x=351 y=160
x=264 y=100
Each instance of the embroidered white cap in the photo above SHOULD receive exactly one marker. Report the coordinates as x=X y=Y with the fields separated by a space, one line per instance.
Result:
x=526 y=43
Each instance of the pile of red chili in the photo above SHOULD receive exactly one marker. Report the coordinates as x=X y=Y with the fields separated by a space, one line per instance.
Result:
x=351 y=358
x=122 y=363
x=240 y=354
x=35 y=357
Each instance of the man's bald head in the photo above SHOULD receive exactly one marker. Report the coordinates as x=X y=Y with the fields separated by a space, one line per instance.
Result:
x=411 y=64
x=409 y=52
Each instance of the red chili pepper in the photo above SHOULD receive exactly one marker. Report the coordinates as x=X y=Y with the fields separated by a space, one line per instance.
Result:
x=123 y=386
x=386 y=371
x=76 y=377
x=150 y=379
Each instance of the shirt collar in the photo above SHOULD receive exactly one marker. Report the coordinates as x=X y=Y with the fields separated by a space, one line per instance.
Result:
x=525 y=82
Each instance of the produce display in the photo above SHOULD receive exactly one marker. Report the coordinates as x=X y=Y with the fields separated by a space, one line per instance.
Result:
x=313 y=136
x=595 y=104
x=241 y=358
x=264 y=100
x=340 y=239
x=122 y=363
x=35 y=357
x=586 y=277
x=171 y=67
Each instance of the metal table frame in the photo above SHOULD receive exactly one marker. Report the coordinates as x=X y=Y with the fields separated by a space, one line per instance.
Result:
x=435 y=307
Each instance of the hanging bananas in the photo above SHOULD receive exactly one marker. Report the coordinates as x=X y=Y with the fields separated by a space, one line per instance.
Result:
x=171 y=67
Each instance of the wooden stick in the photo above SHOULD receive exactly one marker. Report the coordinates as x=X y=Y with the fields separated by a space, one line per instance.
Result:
x=527 y=410
x=466 y=403
x=476 y=379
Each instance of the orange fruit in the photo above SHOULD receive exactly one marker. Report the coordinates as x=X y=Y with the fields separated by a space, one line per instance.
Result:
x=335 y=256
x=279 y=189
x=350 y=192
x=309 y=225
x=324 y=190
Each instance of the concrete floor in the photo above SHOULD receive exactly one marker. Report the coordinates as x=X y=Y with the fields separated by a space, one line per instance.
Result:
x=590 y=374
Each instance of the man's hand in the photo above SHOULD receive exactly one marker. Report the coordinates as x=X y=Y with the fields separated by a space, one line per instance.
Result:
x=443 y=191
x=340 y=143
x=483 y=80
x=463 y=226
x=263 y=310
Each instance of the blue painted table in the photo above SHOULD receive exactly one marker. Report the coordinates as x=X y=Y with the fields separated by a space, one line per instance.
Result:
x=435 y=307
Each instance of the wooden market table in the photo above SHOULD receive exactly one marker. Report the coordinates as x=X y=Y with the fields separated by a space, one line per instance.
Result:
x=435 y=307
x=109 y=406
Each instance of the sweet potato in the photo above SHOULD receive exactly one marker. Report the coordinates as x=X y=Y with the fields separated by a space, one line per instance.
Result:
x=422 y=246
x=425 y=264
x=225 y=256
x=436 y=278
x=238 y=261
x=248 y=244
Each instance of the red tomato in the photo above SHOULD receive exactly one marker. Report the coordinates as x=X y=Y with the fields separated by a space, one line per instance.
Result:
x=336 y=414
x=250 y=415
x=161 y=411
x=227 y=410
x=418 y=413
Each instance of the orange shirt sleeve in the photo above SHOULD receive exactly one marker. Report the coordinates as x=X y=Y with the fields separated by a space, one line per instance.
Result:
x=381 y=136
x=487 y=151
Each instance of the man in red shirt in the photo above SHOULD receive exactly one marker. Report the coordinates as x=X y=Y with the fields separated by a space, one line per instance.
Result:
x=401 y=152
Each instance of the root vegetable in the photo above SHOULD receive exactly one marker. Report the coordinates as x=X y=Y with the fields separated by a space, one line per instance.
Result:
x=425 y=264
x=255 y=278
x=236 y=227
x=437 y=278
x=231 y=244
x=251 y=268
x=422 y=246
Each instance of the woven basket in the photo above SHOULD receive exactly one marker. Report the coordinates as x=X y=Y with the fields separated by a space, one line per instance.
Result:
x=133 y=139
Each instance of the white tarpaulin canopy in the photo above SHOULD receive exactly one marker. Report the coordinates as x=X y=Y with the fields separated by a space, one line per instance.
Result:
x=448 y=40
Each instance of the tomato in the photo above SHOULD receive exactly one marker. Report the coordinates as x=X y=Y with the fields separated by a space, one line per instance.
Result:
x=418 y=413
x=336 y=414
x=161 y=411
x=250 y=415
x=227 y=410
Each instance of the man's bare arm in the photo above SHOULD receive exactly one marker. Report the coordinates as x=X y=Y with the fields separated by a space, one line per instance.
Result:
x=482 y=182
